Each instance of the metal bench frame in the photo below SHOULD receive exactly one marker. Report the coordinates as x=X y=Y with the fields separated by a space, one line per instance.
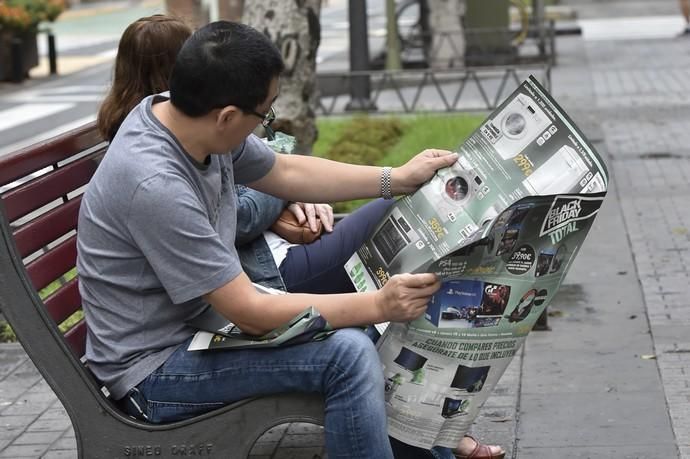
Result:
x=38 y=245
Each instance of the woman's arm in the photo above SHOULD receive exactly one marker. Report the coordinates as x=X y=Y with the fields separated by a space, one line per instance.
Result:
x=256 y=212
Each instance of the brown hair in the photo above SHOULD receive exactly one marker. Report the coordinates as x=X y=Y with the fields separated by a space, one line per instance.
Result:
x=145 y=57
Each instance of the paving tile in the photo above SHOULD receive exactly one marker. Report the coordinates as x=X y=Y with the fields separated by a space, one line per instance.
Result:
x=303 y=427
x=17 y=451
x=37 y=438
x=60 y=454
x=606 y=420
x=263 y=448
x=300 y=453
x=657 y=451
x=65 y=443
x=302 y=440
x=49 y=425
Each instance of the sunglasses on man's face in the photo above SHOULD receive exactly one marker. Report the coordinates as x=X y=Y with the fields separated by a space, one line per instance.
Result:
x=266 y=121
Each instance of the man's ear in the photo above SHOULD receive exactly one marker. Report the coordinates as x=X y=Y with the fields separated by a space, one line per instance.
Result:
x=226 y=115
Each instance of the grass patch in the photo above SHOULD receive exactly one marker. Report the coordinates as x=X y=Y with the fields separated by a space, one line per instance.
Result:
x=431 y=131
x=56 y=284
x=367 y=139
x=6 y=333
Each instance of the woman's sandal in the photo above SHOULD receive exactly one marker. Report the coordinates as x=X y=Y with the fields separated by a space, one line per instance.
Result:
x=480 y=451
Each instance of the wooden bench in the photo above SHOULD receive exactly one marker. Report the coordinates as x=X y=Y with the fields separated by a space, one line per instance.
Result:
x=40 y=193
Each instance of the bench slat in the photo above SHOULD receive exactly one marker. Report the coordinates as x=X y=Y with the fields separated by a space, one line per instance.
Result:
x=44 y=189
x=76 y=338
x=64 y=302
x=53 y=264
x=31 y=159
x=48 y=227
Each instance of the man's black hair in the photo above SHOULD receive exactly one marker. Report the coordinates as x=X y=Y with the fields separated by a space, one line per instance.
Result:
x=224 y=63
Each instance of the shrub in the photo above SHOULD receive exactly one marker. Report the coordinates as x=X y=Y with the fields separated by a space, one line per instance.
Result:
x=26 y=15
x=6 y=333
x=363 y=140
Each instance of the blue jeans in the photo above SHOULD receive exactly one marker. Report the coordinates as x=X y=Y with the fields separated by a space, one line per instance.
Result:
x=344 y=368
x=318 y=267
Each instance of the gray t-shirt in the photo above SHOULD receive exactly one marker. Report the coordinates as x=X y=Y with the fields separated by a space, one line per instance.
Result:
x=156 y=232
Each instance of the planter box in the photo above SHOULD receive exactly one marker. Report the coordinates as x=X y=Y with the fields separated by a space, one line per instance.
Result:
x=28 y=53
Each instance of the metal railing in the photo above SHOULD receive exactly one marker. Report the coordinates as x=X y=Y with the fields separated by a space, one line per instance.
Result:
x=428 y=90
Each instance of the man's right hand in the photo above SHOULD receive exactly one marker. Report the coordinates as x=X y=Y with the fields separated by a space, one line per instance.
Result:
x=411 y=175
x=405 y=296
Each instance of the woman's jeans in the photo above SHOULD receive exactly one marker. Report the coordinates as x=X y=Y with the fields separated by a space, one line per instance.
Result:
x=344 y=368
x=318 y=267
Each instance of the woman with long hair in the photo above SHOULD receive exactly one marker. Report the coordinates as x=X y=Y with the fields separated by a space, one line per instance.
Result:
x=145 y=58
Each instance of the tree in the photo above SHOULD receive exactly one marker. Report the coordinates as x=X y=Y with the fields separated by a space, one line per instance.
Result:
x=294 y=28
x=230 y=10
x=393 y=61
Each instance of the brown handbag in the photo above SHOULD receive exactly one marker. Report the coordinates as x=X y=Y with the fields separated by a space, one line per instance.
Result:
x=287 y=227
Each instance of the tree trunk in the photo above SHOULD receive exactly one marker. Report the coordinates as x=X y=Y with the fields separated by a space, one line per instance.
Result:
x=293 y=25
x=393 y=61
x=230 y=10
x=448 y=41
x=193 y=12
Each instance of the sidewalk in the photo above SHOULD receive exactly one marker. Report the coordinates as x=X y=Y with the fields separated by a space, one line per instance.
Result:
x=610 y=380
x=103 y=24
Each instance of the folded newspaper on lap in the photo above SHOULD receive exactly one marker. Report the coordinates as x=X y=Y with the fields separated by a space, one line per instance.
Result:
x=219 y=333
x=500 y=227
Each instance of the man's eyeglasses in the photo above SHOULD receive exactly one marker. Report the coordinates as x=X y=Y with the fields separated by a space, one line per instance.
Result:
x=266 y=121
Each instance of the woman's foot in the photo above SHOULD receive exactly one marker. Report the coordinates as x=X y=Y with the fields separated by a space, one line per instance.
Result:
x=469 y=448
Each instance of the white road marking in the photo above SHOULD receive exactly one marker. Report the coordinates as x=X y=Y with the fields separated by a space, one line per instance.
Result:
x=46 y=135
x=55 y=100
x=29 y=112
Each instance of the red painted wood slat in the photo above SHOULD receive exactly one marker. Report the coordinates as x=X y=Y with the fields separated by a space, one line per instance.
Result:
x=46 y=188
x=48 y=227
x=76 y=338
x=31 y=159
x=64 y=302
x=50 y=266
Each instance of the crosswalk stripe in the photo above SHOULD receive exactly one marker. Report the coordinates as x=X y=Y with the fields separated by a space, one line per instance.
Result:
x=56 y=99
x=46 y=135
x=74 y=89
x=29 y=112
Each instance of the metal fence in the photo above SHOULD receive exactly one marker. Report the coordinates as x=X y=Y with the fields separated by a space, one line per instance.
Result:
x=424 y=90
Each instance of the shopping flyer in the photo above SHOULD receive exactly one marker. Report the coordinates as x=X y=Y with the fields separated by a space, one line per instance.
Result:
x=500 y=227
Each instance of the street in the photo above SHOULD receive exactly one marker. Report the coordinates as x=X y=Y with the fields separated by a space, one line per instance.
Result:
x=45 y=106
x=87 y=43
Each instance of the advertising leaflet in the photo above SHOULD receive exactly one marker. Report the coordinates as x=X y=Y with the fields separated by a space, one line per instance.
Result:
x=216 y=332
x=500 y=227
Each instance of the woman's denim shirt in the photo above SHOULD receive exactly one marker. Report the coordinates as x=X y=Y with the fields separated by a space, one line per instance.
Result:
x=256 y=212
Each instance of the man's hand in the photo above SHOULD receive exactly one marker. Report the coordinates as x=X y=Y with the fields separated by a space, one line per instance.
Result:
x=305 y=212
x=410 y=176
x=405 y=296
